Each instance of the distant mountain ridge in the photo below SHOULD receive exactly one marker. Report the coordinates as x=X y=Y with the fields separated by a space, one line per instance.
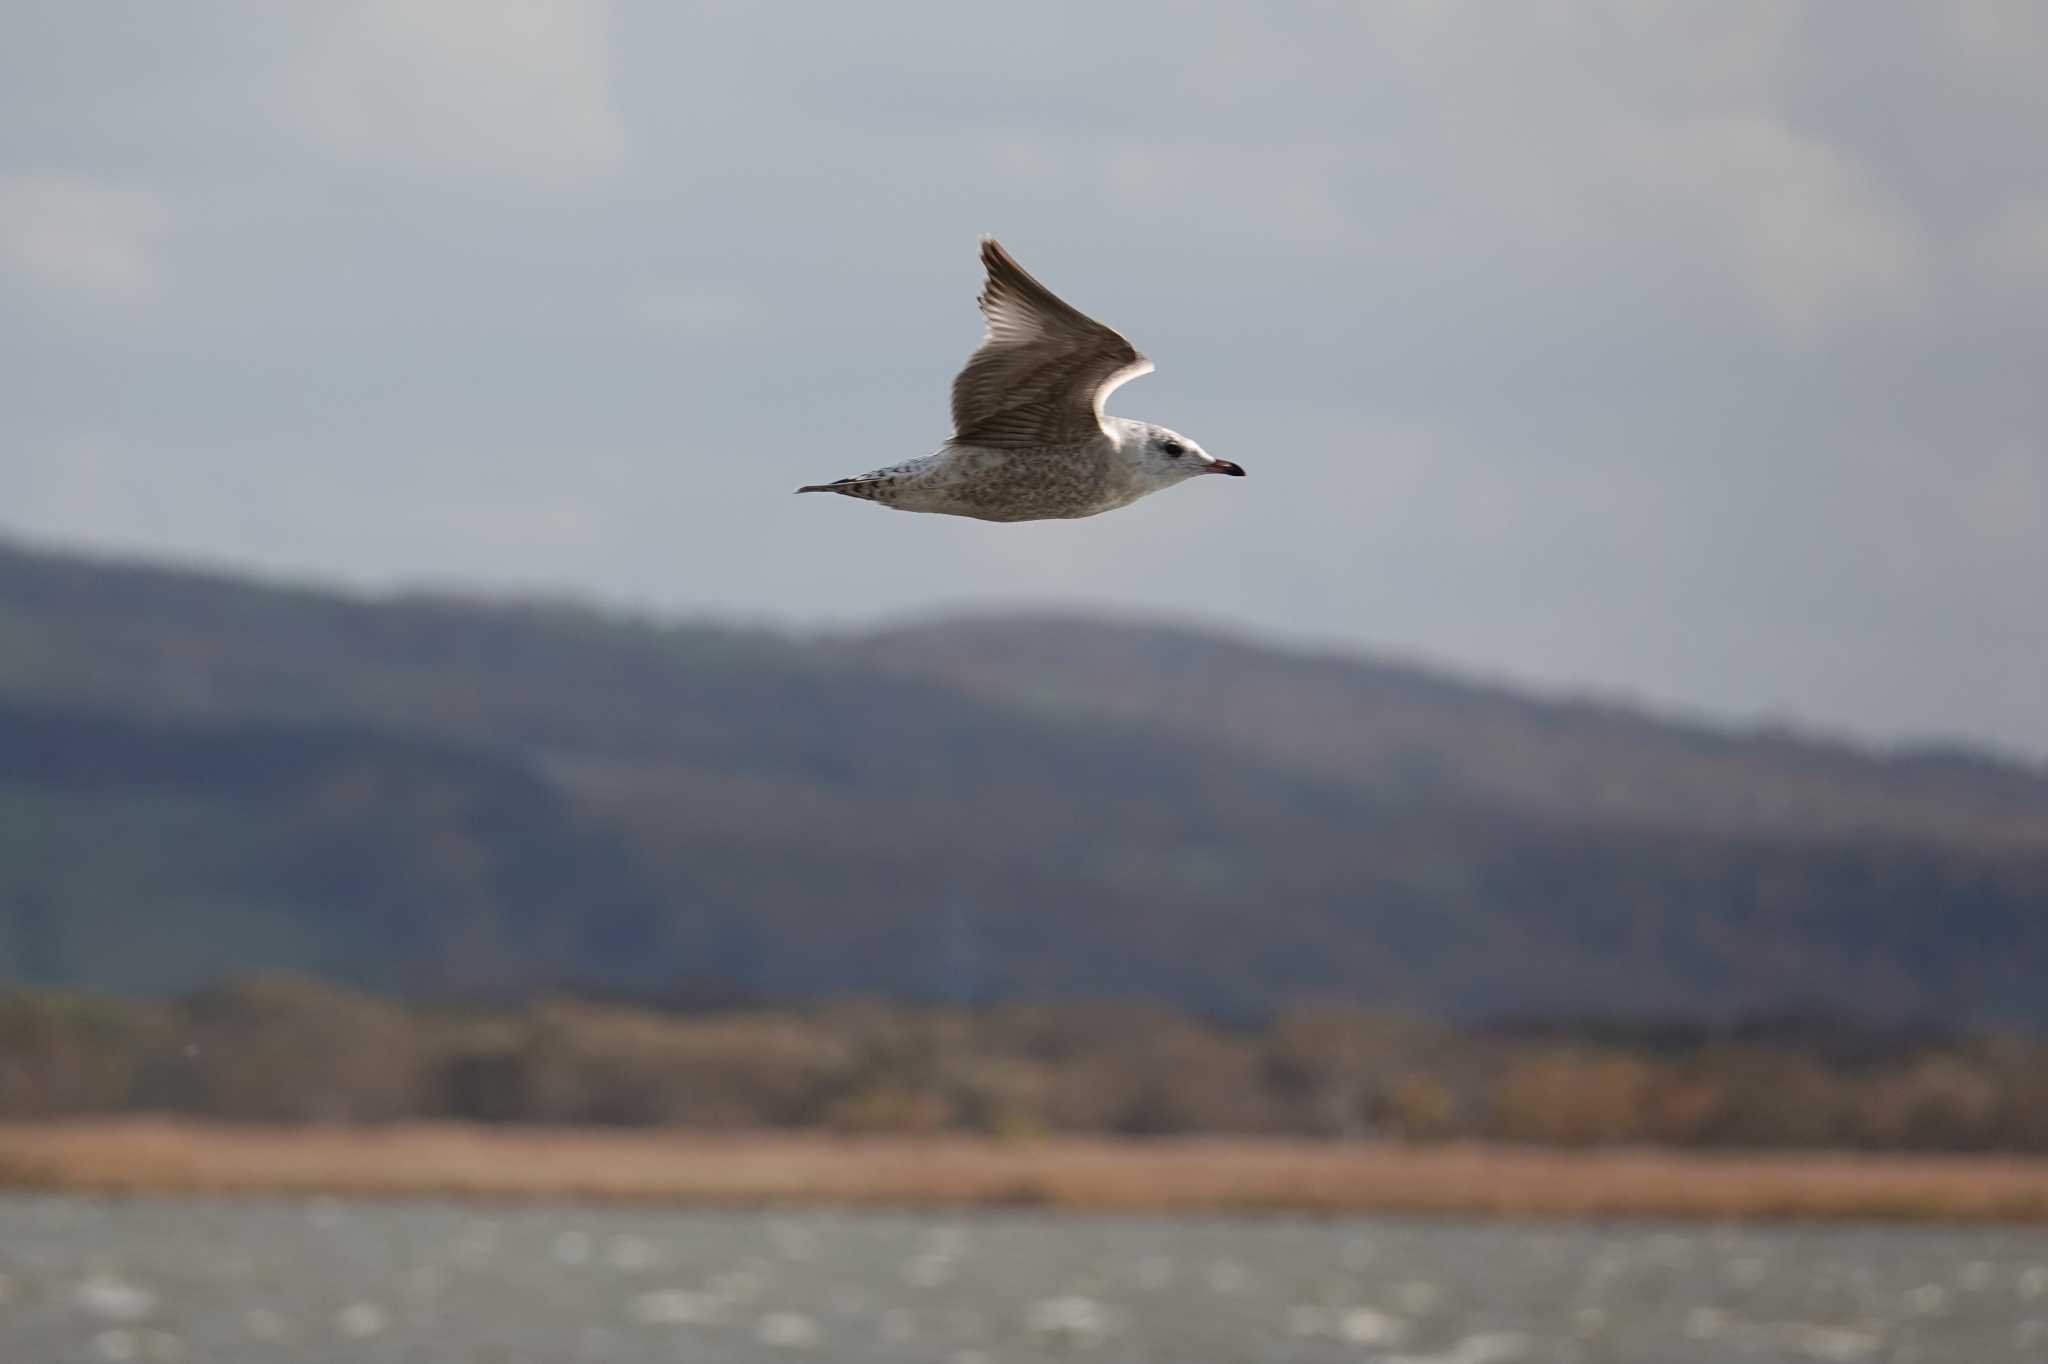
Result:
x=1402 y=725
x=200 y=773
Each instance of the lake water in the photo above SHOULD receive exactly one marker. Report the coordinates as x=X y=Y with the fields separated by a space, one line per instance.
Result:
x=237 y=1282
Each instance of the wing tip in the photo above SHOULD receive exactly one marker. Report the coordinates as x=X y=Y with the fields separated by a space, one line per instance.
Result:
x=996 y=268
x=994 y=259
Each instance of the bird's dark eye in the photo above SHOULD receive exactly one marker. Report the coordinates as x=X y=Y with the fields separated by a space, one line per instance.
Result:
x=1174 y=449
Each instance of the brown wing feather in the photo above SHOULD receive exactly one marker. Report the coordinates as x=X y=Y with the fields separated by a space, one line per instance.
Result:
x=1043 y=368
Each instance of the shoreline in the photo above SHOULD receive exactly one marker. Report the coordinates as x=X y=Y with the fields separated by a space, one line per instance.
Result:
x=1203 y=1175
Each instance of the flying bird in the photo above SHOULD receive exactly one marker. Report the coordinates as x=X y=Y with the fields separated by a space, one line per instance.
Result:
x=1030 y=439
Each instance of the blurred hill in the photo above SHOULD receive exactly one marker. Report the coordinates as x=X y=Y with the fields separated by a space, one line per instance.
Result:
x=428 y=793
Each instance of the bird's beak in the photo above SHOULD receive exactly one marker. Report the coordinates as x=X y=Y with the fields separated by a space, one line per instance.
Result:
x=1222 y=466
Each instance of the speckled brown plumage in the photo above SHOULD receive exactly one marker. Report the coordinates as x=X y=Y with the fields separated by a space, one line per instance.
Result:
x=1030 y=440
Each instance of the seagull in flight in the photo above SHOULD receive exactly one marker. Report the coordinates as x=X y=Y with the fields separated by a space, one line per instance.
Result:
x=1030 y=439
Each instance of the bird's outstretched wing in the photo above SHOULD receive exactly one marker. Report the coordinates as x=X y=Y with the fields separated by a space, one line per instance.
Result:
x=1043 y=368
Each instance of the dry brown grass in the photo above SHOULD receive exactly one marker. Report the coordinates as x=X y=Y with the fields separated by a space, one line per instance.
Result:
x=1193 y=1175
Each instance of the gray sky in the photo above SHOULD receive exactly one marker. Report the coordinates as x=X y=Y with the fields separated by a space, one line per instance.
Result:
x=1696 y=352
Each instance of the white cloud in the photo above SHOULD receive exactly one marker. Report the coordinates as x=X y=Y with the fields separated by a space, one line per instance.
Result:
x=507 y=89
x=1796 y=218
x=82 y=237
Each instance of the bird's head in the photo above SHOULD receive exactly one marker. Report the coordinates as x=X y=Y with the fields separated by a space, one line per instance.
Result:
x=1167 y=457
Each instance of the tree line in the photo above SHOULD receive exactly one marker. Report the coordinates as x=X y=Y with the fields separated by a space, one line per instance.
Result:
x=288 y=1049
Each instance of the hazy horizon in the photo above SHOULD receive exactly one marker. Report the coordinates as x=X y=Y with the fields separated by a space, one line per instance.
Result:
x=1684 y=354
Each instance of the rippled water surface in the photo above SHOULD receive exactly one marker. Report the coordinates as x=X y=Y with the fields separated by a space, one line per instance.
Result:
x=235 y=1282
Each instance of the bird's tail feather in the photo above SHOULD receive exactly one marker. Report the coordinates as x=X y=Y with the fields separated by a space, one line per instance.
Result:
x=843 y=485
